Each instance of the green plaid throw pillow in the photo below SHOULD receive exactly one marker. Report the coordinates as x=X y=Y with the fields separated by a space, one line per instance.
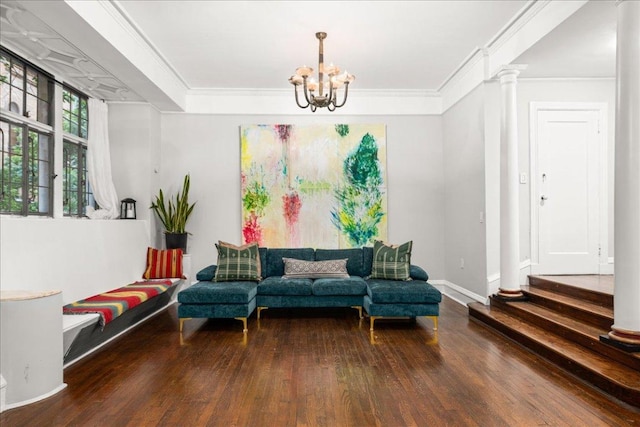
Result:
x=391 y=262
x=237 y=263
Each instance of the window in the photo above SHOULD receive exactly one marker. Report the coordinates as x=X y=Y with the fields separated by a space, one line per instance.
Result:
x=26 y=138
x=24 y=90
x=77 y=194
x=75 y=118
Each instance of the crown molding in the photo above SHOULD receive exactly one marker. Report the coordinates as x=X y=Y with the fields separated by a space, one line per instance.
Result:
x=535 y=20
x=130 y=23
x=108 y=21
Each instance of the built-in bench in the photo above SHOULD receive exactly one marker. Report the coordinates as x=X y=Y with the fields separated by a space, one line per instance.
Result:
x=85 y=333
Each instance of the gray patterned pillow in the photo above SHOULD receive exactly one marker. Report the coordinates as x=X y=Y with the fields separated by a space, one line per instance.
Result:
x=392 y=262
x=299 y=269
x=237 y=263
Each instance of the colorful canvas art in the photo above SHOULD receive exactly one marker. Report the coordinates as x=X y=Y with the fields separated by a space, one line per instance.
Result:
x=321 y=186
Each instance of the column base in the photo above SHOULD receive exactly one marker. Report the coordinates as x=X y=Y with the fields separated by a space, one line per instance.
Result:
x=622 y=339
x=510 y=295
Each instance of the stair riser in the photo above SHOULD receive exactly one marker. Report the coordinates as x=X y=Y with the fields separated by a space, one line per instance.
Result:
x=625 y=394
x=592 y=343
x=598 y=320
x=605 y=300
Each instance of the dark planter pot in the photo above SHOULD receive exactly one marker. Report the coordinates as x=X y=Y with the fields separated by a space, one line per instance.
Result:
x=176 y=241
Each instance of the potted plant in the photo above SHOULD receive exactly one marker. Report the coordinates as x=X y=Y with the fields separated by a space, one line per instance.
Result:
x=174 y=214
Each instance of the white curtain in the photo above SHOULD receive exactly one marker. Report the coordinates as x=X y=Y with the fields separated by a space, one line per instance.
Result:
x=99 y=163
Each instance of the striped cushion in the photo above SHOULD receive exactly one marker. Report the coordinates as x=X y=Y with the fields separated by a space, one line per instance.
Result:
x=298 y=269
x=163 y=264
x=237 y=263
x=391 y=262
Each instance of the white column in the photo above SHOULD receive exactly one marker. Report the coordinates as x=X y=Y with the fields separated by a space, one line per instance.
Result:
x=626 y=307
x=509 y=187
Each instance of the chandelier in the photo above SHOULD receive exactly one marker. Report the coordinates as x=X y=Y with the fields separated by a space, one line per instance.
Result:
x=327 y=90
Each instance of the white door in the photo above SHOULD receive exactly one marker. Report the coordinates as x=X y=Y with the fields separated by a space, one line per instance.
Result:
x=566 y=191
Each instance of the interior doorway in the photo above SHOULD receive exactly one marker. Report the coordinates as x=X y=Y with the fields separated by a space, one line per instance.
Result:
x=568 y=187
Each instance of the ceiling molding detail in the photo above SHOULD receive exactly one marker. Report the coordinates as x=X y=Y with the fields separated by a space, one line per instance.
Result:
x=115 y=45
x=107 y=21
x=130 y=22
x=31 y=38
x=534 y=21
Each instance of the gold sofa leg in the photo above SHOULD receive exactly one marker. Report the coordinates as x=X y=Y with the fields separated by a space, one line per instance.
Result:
x=359 y=308
x=260 y=310
x=371 y=320
x=182 y=320
x=435 y=321
x=244 y=322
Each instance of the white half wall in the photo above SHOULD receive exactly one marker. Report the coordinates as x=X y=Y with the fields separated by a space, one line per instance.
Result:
x=208 y=147
x=80 y=257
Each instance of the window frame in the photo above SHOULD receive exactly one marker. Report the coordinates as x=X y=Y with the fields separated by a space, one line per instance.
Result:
x=28 y=127
x=81 y=113
x=84 y=192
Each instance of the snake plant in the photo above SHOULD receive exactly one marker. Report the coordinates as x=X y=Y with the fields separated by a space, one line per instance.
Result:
x=174 y=213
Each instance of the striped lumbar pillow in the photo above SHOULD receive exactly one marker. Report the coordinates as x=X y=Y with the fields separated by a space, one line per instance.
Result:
x=163 y=264
x=297 y=268
x=237 y=263
x=391 y=262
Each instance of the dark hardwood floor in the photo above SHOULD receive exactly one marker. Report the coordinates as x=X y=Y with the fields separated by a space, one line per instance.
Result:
x=320 y=368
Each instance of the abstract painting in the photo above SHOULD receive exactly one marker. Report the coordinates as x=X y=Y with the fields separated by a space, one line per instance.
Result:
x=320 y=186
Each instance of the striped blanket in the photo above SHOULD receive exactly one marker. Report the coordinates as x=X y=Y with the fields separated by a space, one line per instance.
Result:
x=112 y=304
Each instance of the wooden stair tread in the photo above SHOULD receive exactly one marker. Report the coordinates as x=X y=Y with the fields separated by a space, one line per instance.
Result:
x=589 y=360
x=560 y=319
x=577 y=330
x=562 y=287
x=570 y=301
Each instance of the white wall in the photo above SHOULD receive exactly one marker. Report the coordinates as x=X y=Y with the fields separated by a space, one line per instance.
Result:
x=135 y=149
x=208 y=147
x=80 y=257
x=438 y=185
x=83 y=257
x=464 y=187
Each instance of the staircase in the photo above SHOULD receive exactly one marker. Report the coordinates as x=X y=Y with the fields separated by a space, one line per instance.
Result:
x=563 y=323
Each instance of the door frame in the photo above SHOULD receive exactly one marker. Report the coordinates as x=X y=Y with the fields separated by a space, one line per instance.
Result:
x=601 y=108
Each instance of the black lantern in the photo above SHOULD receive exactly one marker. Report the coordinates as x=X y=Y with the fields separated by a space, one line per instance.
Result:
x=128 y=209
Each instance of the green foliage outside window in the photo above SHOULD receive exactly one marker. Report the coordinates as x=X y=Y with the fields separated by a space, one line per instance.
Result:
x=26 y=180
x=75 y=113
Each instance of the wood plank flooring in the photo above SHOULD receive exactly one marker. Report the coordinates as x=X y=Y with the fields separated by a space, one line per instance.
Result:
x=320 y=368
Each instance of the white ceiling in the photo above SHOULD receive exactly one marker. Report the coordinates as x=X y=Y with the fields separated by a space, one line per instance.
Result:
x=584 y=45
x=388 y=45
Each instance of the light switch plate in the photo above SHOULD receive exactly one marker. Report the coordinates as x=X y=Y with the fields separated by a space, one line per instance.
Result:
x=523 y=178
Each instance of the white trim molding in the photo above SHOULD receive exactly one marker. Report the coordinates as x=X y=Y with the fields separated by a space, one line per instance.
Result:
x=535 y=20
x=458 y=293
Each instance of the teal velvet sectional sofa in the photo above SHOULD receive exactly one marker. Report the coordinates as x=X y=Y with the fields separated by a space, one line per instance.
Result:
x=381 y=298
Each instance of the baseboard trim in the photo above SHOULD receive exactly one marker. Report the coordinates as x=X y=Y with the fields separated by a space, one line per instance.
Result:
x=457 y=292
x=607 y=268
